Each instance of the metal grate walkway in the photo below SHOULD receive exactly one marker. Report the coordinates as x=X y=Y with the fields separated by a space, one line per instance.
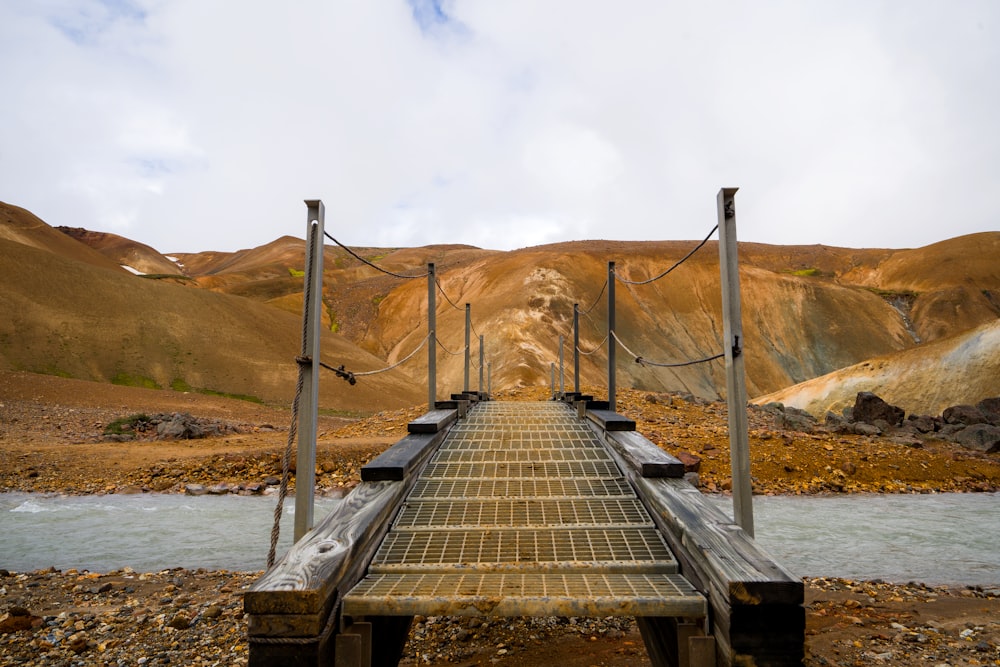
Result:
x=523 y=512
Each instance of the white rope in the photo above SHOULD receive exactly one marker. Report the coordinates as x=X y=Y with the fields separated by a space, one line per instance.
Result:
x=599 y=346
x=398 y=363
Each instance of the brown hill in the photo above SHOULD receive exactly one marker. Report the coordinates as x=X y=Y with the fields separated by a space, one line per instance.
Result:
x=134 y=257
x=75 y=319
x=923 y=380
x=807 y=310
x=21 y=226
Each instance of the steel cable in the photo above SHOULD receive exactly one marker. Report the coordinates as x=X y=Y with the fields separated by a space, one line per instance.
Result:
x=678 y=263
x=374 y=266
x=643 y=362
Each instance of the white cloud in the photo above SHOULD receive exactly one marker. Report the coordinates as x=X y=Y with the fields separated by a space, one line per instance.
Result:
x=190 y=125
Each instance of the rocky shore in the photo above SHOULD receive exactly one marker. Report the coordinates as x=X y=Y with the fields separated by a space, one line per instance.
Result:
x=195 y=617
x=54 y=442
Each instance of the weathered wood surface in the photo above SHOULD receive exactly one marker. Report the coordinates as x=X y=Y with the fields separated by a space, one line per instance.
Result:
x=610 y=421
x=472 y=396
x=432 y=421
x=304 y=581
x=756 y=604
x=461 y=405
x=643 y=456
x=402 y=459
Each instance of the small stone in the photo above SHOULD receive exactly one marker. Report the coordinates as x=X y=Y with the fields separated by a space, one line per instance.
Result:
x=180 y=621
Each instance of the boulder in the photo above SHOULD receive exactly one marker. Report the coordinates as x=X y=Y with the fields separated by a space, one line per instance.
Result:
x=981 y=437
x=990 y=407
x=16 y=619
x=964 y=414
x=923 y=423
x=179 y=427
x=868 y=407
x=195 y=489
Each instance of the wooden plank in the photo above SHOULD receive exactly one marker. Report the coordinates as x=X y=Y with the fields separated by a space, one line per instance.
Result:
x=756 y=604
x=432 y=421
x=472 y=396
x=747 y=573
x=610 y=421
x=643 y=456
x=462 y=406
x=397 y=462
x=306 y=578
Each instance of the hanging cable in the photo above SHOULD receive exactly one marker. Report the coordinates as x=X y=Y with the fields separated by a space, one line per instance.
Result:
x=603 y=287
x=446 y=350
x=645 y=362
x=445 y=295
x=678 y=263
x=599 y=346
x=374 y=266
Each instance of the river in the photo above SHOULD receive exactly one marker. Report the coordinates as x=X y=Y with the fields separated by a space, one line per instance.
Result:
x=934 y=538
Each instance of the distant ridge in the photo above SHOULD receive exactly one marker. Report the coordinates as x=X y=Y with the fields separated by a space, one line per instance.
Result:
x=808 y=311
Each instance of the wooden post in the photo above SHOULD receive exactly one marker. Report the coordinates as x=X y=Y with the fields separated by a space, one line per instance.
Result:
x=468 y=350
x=736 y=387
x=576 y=348
x=312 y=308
x=431 y=338
x=611 y=336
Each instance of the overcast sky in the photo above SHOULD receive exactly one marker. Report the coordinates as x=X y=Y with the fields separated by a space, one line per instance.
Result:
x=203 y=124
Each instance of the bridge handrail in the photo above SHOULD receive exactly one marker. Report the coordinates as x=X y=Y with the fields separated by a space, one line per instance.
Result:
x=757 y=612
x=294 y=603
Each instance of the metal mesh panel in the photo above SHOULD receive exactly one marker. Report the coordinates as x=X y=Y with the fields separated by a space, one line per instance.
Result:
x=514 y=594
x=520 y=455
x=434 y=489
x=553 y=513
x=596 y=550
x=583 y=469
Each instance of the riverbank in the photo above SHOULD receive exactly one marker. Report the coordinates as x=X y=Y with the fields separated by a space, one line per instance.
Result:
x=52 y=439
x=195 y=617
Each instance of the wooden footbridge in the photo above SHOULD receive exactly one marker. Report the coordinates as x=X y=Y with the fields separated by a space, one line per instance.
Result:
x=555 y=508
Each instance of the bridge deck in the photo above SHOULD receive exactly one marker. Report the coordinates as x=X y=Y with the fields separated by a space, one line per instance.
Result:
x=523 y=512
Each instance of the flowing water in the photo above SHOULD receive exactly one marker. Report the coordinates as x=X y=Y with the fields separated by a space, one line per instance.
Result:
x=936 y=538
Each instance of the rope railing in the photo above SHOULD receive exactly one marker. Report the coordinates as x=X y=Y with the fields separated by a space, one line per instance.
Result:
x=599 y=346
x=646 y=362
x=596 y=300
x=351 y=376
x=445 y=295
x=676 y=264
x=446 y=350
x=373 y=265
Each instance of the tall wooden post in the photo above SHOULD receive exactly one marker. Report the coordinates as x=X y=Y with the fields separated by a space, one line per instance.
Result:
x=612 y=344
x=431 y=338
x=312 y=308
x=736 y=386
x=468 y=350
x=576 y=348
